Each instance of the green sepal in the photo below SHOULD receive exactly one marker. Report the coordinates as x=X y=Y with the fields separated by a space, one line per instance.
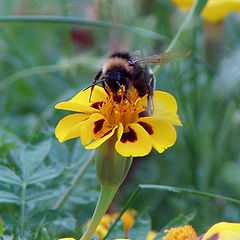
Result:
x=111 y=167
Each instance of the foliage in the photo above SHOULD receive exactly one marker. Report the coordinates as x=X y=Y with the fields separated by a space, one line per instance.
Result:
x=46 y=188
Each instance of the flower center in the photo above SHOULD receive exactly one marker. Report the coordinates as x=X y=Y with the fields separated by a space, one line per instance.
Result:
x=122 y=110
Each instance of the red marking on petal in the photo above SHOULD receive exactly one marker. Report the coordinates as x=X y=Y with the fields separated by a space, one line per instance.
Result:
x=98 y=125
x=97 y=105
x=214 y=237
x=129 y=136
x=107 y=133
x=147 y=127
x=144 y=114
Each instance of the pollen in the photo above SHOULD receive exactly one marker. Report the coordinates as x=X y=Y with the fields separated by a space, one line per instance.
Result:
x=181 y=233
x=122 y=111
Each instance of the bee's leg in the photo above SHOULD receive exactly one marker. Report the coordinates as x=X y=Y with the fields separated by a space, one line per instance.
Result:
x=104 y=86
x=151 y=87
x=98 y=75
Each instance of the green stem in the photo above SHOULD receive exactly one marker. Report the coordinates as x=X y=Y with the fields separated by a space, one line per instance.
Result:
x=127 y=205
x=188 y=21
x=105 y=198
x=23 y=208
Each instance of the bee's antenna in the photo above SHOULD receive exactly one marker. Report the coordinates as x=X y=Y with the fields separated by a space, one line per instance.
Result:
x=124 y=93
x=94 y=84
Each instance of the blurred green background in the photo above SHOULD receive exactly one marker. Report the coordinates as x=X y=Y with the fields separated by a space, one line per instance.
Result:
x=42 y=64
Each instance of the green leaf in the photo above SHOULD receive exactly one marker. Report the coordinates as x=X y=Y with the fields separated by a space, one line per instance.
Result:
x=141 y=227
x=7 y=197
x=32 y=156
x=9 y=177
x=181 y=220
x=7 y=137
x=44 y=234
x=118 y=231
x=42 y=196
x=2 y=229
x=79 y=21
x=43 y=174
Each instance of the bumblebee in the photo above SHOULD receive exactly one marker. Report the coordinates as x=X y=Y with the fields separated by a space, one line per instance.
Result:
x=122 y=71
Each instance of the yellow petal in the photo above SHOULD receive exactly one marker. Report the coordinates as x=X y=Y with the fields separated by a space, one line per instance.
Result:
x=165 y=107
x=98 y=95
x=98 y=142
x=80 y=102
x=128 y=219
x=94 y=128
x=76 y=107
x=66 y=239
x=162 y=133
x=134 y=142
x=223 y=231
x=151 y=235
x=69 y=126
x=214 y=11
x=218 y=10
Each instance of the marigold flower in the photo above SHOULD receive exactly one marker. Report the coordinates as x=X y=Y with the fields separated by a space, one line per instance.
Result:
x=135 y=133
x=214 y=11
x=128 y=221
x=181 y=233
x=219 y=231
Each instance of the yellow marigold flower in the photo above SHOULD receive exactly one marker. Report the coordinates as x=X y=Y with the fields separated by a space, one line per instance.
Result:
x=214 y=11
x=128 y=219
x=151 y=235
x=181 y=233
x=223 y=231
x=219 y=231
x=135 y=134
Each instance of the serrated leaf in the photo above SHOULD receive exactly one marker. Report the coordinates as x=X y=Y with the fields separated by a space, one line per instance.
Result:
x=58 y=153
x=181 y=220
x=9 y=177
x=43 y=175
x=7 y=197
x=43 y=195
x=141 y=227
x=32 y=156
x=7 y=137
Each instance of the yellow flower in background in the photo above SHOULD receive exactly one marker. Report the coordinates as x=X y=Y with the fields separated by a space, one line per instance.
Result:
x=214 y=11
x=219 y=231
x=181 y=233
x=134 y=133
x=128 y=221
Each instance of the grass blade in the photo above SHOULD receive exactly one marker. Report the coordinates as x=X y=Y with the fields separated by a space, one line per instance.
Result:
x=80 y=21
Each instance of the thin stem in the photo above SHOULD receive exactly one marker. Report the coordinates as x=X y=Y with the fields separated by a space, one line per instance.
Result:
x=23 y=202
x=105 y=199
x=189 y=191
x=74 y=182
x=127 y=205
x=76 y=20
x=195 y=11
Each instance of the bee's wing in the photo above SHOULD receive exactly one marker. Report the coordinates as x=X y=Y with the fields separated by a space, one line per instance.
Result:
x=164 y=58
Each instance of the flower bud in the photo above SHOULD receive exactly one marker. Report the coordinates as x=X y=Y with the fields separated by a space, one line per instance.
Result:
x=111 y=167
